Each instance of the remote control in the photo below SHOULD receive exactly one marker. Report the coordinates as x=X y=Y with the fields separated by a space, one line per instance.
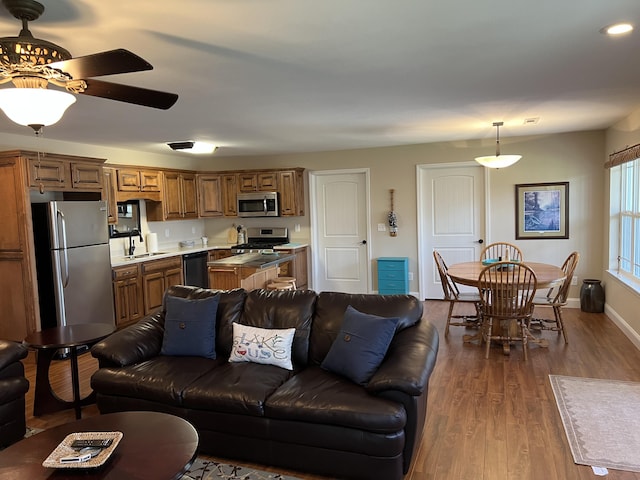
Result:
x=76 y=458
x=91 y=442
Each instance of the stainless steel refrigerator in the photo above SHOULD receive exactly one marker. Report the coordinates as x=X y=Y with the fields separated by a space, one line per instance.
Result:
x=73 y=263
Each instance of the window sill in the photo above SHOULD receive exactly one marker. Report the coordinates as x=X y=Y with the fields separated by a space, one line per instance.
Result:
x=632 y=285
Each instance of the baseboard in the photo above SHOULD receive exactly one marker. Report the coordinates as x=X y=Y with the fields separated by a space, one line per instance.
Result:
x=629 y=332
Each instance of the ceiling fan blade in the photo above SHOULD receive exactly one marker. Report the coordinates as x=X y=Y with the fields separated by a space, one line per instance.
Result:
x=103 y=63
x=129 y=94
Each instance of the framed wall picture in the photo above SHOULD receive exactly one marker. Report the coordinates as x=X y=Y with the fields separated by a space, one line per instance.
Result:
x=542 y=210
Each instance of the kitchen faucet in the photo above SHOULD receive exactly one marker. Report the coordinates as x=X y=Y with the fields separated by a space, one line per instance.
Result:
x=132 y=243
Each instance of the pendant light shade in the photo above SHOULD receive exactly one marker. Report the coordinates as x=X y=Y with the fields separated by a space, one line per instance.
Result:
x=34 y=107
x=497 y=160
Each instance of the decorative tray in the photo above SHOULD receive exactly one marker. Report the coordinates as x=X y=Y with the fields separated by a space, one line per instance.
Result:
x=64 y=449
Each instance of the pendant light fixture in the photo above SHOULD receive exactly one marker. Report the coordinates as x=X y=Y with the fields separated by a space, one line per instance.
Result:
x=497 y=160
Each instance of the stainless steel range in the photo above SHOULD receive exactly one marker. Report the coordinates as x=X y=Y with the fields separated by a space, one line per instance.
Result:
x=262 y=238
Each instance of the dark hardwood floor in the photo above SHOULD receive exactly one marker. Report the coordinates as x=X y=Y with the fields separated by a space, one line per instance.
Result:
x=487 y=419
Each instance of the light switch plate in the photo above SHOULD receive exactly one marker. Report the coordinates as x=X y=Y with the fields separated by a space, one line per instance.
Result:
x=382 y=227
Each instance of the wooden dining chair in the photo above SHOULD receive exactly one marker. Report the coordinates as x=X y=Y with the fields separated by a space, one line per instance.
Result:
x=556 y=297
x=453 y=296
x=506 y=302
x=499 y=250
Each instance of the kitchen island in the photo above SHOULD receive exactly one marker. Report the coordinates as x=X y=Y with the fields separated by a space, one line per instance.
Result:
x=248 y=270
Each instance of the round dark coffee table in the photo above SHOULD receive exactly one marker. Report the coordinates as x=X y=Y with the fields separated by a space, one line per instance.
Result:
x=47 y=342
x=154 y=446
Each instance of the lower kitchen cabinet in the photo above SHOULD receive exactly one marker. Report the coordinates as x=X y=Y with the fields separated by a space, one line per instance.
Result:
x=127 y=294
x=157 y=276
x=297 y=267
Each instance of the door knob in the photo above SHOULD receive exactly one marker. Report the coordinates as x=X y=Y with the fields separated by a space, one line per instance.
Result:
x=363 y=242
x=481 y=241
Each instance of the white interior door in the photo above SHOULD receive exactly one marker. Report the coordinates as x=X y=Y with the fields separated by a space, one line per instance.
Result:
x=451 y=219
x=340 y=230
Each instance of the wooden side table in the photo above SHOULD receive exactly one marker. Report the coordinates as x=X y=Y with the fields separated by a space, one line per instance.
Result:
x=46 y=343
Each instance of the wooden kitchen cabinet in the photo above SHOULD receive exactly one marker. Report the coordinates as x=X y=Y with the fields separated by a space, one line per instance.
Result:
x=210 y=196
x=258 y=181
x=21 y=171
x=62 y=172
x=127 y=294
x=297 y=268
x=291 y=191
x=109 y=181
x=219 y=253
x=135 y=180
x=229 y=277
x=18 y=291
x=229 y=195
x=86 y=176
x=157 y=276
x=179 y=199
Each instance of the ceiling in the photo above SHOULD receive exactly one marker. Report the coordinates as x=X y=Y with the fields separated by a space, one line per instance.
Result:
x=283 y=76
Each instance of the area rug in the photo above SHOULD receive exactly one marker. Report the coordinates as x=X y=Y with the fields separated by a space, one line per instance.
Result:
x=601 y=420
x=212 y=470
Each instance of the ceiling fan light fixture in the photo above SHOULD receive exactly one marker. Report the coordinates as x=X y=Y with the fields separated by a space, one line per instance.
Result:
x=191 y=146
x=35 y=106
x=497 y=160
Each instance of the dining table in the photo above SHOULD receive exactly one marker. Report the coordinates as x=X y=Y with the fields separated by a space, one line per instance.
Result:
x=468 y=273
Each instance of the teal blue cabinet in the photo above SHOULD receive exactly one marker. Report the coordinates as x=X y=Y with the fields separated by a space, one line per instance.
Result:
x=393 y=275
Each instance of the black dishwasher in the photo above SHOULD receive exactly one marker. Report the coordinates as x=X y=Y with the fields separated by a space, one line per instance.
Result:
x=195 y=269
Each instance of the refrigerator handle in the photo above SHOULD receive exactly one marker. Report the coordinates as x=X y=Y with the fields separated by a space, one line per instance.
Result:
x=63 y=229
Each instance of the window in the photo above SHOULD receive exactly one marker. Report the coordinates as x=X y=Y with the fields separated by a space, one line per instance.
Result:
x=628 y=218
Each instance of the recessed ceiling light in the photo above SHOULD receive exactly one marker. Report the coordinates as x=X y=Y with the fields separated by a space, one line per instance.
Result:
x=190 y=146
x=617 y=29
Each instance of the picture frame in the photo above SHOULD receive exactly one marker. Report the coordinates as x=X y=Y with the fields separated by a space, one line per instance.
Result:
x=542 y=210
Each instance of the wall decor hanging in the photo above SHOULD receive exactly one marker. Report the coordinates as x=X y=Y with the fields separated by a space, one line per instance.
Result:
x=393 y=219
x=542 y=210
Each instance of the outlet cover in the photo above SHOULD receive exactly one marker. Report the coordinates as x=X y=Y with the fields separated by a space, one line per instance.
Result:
x=167 y=232
x=574 y=280
x=410 y=276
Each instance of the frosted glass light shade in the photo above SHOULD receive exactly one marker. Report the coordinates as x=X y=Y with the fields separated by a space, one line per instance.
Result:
x=498 y=161
x=34 y=106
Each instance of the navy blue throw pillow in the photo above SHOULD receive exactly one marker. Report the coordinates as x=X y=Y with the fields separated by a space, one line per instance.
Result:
x=360 y=346
x=190 y=327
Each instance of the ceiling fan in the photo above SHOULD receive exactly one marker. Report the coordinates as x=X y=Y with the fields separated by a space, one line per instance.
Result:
x=30 y=62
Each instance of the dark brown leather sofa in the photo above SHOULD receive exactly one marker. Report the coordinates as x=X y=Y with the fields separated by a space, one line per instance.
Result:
x=307 y=419
x=13 y=387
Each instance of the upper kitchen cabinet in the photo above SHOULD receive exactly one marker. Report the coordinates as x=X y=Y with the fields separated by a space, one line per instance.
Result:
x=210 y=195
x=258 y=182
x=179 y=198
x=291 y=190
x=109 y=181
x=134 y=183
x=61 y=172
x=229 y=194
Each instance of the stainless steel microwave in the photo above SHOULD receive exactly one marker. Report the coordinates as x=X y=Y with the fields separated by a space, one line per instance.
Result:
x=258 y=204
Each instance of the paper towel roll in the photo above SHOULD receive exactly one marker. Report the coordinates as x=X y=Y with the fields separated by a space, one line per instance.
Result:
x=152 y=242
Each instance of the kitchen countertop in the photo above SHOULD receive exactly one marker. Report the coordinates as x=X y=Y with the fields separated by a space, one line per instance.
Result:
x=172 y=252
x=253 y=260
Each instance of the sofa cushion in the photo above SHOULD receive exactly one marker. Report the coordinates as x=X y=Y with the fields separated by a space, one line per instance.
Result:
x=330 y=308
x=229 y=311
x=190 y=326
x=240 y=388
x=268 y=346
x=317 y=396
x=283 y=309
x=360 y=346
x=161 y=379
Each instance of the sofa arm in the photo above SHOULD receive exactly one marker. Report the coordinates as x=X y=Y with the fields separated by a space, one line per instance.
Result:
x=11 y=352
x=134 y=344
x=409 y=361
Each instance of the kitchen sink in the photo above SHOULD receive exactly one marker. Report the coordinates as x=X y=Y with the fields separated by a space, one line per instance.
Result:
x=143 y=255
